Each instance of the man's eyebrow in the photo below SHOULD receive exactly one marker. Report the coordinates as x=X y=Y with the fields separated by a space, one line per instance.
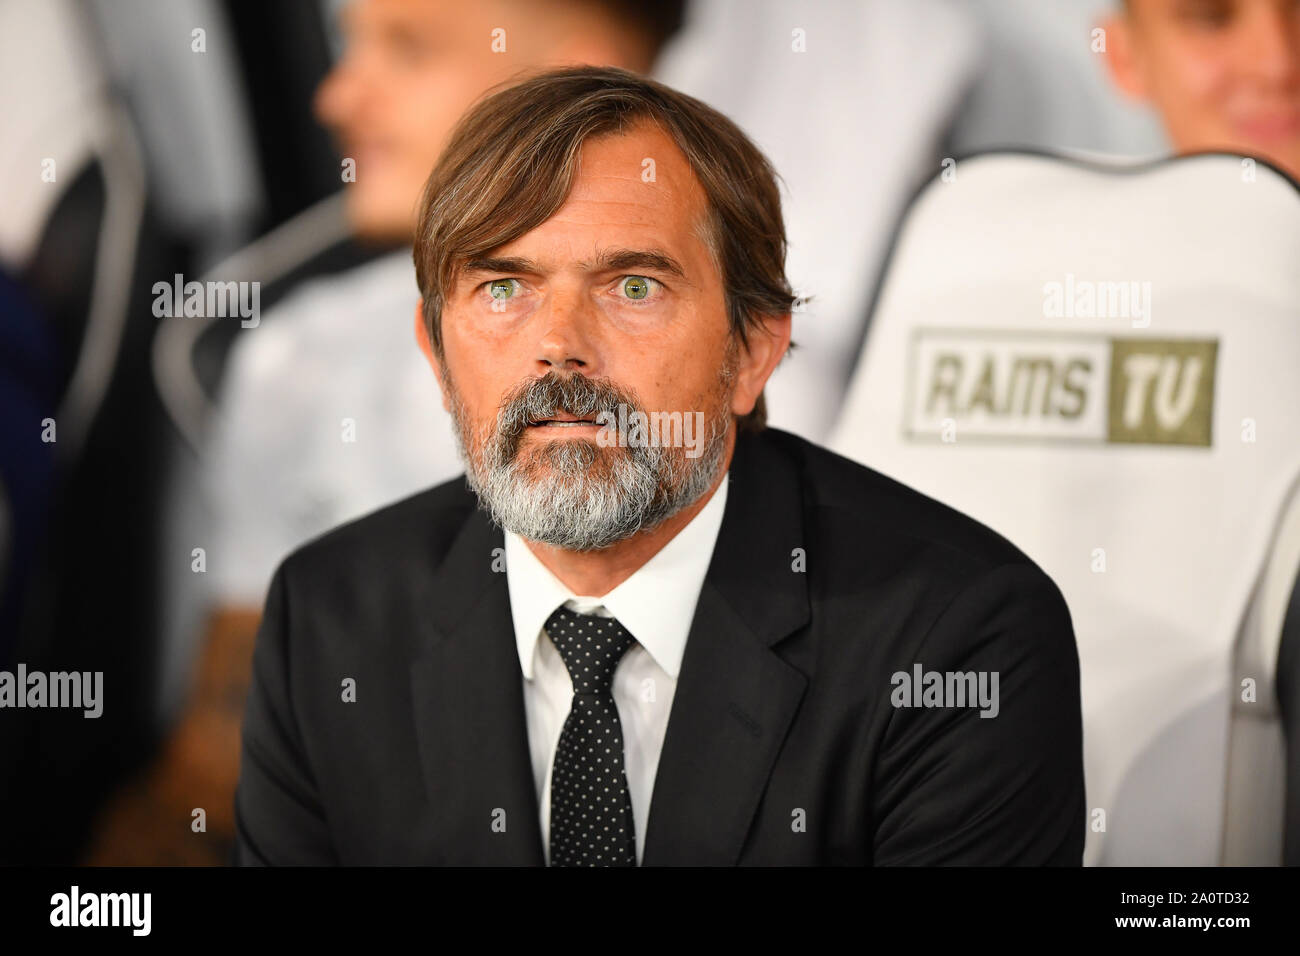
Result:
x=510 y=264
x=610 y=260
x=618 y=260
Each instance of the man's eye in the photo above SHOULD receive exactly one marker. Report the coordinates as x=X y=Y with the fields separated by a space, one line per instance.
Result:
x=502 y=288
x=637 y=287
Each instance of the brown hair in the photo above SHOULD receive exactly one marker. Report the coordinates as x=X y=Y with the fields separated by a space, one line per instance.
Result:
x=511 y=161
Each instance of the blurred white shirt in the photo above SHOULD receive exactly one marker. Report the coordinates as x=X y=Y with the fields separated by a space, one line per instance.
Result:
x=336 y=360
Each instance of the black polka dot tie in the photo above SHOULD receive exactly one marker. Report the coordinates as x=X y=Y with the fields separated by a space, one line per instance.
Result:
x=591 y=809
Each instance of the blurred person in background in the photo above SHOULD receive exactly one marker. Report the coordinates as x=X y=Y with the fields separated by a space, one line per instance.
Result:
x=410 y=69
x=1223 y=75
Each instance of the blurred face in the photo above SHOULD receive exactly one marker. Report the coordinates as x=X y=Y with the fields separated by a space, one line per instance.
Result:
x=410 y=68
x=613 y=301
x=1224 y=74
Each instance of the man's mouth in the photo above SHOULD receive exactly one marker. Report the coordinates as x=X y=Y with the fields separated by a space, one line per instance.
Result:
x=562 y=420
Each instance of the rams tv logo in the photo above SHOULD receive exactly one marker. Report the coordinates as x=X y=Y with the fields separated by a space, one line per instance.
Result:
x=1012 y=385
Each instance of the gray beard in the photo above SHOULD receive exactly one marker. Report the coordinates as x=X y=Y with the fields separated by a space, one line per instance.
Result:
x=573 y=493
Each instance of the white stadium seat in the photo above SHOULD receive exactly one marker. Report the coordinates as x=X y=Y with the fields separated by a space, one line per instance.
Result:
x=1103 y=364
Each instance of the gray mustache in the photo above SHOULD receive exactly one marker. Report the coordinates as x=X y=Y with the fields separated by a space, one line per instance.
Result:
x=552 y=393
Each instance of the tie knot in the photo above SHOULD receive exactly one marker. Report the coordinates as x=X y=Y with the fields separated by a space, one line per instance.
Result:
x=590 y=646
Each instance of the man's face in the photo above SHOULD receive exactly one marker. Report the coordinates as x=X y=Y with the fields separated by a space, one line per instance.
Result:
x=410 y=68
x=1224 y=74
x=614 y=299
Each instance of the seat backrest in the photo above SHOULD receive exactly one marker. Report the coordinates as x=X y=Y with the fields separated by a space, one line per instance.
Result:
x=1103 y=364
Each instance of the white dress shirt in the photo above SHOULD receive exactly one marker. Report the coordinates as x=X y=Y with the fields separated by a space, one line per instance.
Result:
x=656 y=605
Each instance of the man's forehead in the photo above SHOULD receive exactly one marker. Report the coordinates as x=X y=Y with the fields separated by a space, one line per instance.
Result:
x=630 y=190
x=638 y=180
x=642 y=161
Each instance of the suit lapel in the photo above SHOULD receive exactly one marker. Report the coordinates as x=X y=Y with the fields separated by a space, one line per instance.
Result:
x=735 y=697
x=471 y=728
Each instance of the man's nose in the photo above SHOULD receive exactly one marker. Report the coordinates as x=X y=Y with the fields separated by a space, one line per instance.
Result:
x=337 y=95
x=568 y=321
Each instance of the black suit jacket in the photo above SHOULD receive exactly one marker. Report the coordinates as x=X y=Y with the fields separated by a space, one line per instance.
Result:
x=782 y=747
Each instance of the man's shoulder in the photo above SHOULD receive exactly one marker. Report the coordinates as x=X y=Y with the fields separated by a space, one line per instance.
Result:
x=856 y=509
x=410 y=536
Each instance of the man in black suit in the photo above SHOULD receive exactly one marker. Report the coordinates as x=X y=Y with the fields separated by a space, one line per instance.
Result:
x=644 y=628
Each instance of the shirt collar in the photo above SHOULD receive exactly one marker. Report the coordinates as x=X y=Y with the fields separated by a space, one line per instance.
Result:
x=656 y=604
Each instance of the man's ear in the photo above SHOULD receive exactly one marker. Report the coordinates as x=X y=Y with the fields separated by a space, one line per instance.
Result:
x=766 y=347
x=422 y=337
x=1122 y=56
